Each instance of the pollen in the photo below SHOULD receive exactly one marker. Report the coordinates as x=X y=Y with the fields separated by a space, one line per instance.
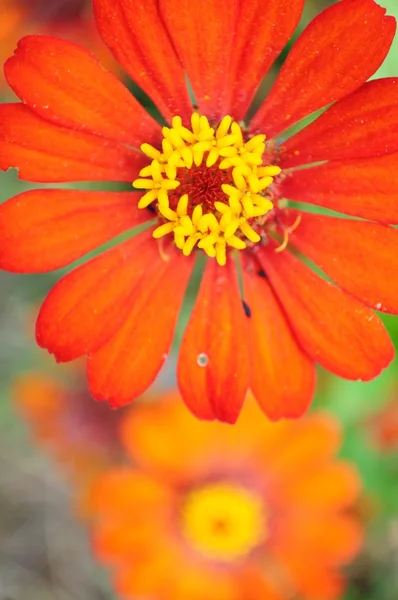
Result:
x=222 y=521
x=208 y=185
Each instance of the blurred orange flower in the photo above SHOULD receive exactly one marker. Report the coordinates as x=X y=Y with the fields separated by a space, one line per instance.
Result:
x=254 y=511
x=80 y=434
x=69 y=19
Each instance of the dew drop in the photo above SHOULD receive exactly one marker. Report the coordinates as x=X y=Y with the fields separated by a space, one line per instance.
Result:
x=202 y=359
x=378 y=306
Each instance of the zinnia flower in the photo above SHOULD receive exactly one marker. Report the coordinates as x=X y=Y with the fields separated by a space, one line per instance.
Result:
x=213 y=182
x=80 y=435
x=258 y=511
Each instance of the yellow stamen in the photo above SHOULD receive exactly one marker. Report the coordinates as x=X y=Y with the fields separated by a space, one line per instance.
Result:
x=213 y=226
x=163 y=230
x=224 y=522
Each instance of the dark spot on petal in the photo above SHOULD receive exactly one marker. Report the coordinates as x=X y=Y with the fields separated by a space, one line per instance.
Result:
x=246 y=308
x=262 y=274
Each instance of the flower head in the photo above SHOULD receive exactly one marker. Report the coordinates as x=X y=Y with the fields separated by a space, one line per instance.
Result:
x=215 y=182
x=81 y=435
x=227 y=513
x=207 y=186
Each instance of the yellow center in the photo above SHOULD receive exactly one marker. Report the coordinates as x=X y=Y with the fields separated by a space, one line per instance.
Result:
x=208 y=185
x=223 y=521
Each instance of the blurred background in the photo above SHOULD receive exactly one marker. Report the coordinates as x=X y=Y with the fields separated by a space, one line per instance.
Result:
x=44 y=549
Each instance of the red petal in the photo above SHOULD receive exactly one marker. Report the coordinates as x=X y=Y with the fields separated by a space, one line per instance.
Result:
x=125 y=366
x=263 y=29
x=41 y=230
x=359 y=256
x=209 y=25
x=362 y=125
x=65 y=84
x=214 y=365
x=338 y=51
x=336 y=330
x=362 y=188
x=47 y=153
x=283 y=377
x=89 y=304
x=136 y=36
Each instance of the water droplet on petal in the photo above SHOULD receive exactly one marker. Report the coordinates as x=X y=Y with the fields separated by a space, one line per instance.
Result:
x=202 y=359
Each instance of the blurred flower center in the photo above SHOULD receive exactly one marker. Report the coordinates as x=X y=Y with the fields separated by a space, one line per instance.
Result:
x=208 y=185
x=223 y=522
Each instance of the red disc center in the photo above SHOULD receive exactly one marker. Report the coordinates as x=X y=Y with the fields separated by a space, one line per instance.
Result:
x=202 y=184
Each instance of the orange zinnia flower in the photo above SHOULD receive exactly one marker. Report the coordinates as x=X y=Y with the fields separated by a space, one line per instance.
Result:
x=257 y=511
x=215 y=185
x=81 y=435
x=71 y=19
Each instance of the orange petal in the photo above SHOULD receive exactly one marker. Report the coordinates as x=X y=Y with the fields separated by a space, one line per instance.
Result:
x=44 y=152
x=330 y=487
x=202 y=447
x=259 y=582
x=319 y=68
x=135 y=34
x=357 y=255
x=363 y=124
x=164 y=567
x=336 y=330
x=313 y=442
x=65 y=84
x=201 y=580
x=172 y=573
x=209 y=25
x=214 y=366
x=334 y=543
x=123 y=490
x=152 y=444
x=38 y=396
x=263 y=29
x=309 y=581
x=87 y=306
x=283 y=377
x=132 y=511
x=41 y=230
x=362 y=188
x=128 y=363
x=150 y=577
